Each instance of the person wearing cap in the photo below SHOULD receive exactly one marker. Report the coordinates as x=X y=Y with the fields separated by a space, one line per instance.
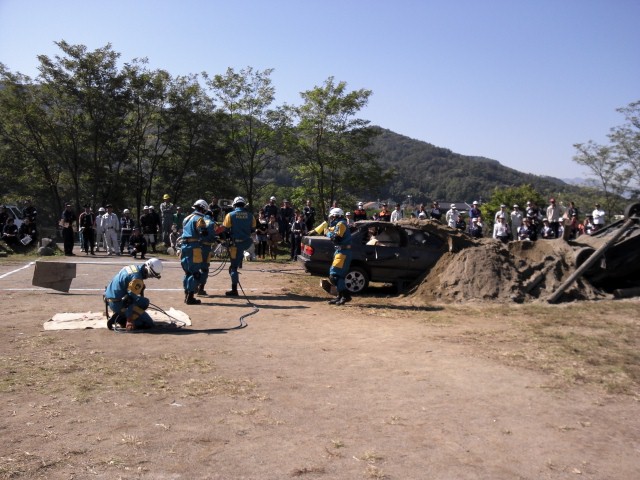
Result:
x=533 y=214
x=126 y=228
x=137 y=244
x=516 y=220
x=87 y=225
x=475 y=228
x=271 y=209
x=501 y=229
x=384 y=214
x=349 y=218
x=503 y=212
x=111 y=227
x=397 y=213
x=359 y=213
x=547 y=231
x=598 y=217
x=435 y=213
x=167 y=209
x=99 y=231
x=452 y=216
x=526 y=230
x=67 y=219
x=553 y=216
x=309 y=213
x=474 y=212
x=148 y=226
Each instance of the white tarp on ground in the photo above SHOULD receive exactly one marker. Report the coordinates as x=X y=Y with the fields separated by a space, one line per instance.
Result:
x=75 y=321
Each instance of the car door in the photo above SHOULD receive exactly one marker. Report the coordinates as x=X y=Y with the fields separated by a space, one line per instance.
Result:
x=385 y=260
x=422 y=251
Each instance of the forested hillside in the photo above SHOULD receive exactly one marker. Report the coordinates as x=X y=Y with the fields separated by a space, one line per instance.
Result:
x=427 y=172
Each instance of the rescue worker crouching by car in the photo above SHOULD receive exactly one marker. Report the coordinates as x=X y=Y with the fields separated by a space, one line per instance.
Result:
x=238 y=225
x=207 y=242
x=191 y=258
x=340 y=234
x=125 y=295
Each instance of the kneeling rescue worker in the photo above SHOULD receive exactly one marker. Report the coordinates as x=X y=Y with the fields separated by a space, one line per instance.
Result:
x=125 y=295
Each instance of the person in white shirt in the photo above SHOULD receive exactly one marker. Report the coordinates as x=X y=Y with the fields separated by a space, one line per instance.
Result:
x=111 y=227
x=100 y=230
x=501 y=230
x=397 y=214
x=516 y=221
x=598 y=217
x=452 y=216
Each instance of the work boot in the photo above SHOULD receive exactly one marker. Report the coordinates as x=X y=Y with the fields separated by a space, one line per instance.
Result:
x=201 y=290
x=191 y=300
x=334 y=301
x=232 y=293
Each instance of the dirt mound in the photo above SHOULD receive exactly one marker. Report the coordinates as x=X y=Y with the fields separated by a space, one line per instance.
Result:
x=489 y=270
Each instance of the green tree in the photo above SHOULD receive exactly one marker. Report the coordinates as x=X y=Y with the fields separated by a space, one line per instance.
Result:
x=332 y=157
x=256 y=131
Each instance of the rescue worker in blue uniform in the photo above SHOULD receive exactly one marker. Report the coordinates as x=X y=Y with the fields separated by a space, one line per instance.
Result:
x=208 y=241
x=125 y=295
x=239 y=224
x=194 y=228
x=340 y=234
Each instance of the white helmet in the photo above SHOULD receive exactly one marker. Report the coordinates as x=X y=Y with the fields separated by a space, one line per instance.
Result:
x=101 y=209
x=201 y=205
x=336 y=212
x=154 y=267
x=239 y=200
x=126 y=210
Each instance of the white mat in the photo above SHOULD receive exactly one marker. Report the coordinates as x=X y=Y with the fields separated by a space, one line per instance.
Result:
x=75 y=321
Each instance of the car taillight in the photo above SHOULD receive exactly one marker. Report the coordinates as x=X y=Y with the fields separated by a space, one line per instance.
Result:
x=307 y=250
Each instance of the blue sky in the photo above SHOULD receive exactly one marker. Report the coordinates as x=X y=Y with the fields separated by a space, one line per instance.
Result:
x=516 y=81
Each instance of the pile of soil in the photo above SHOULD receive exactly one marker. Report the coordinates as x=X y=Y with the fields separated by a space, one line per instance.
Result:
x=488 y=270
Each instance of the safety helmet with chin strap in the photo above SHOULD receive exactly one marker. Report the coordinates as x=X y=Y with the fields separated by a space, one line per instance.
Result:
x=154 y=267
x=239 y=202
x=201 y=205
x=336 y=212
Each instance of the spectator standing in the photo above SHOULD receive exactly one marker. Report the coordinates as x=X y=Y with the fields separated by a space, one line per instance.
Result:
x=273 y=236
x=436 y=212
x=452 y=216
x=179 y=216
x=167 y=210
x=359 y=213
x=349 y=219
x=309 y=213
x=422 y=213
x=261 y=235
x=286 y=218
x=547 y=231
x=501 y=230
x=111 y=226
x=148 y=226
x=475 y=229
x=298 y=230
x=157 y=223
x=100 y=230
x=516 y=220
x=474 y=212
x=67 y=219
x=553 y=216
x=30 y=212
x=87 y=225
x=502 y=212
x=598 y=217
x=271 y=209
x=215 y=209
x=126 y=228
x=397 y=214
x=384 y=214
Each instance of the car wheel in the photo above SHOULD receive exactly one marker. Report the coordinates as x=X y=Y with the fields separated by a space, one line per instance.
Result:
x=356 y=280
x=632 y=210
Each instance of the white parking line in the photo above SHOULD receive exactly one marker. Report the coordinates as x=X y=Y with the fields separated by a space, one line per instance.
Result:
x=4 y=275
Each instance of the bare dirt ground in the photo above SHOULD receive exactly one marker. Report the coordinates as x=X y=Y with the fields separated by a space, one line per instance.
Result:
x=384 y=387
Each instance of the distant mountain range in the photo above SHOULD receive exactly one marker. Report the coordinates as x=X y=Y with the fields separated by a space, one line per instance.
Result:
x=427 y=172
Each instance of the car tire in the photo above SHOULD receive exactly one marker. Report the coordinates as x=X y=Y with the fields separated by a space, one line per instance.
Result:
x=632 y=210
x=357 y=280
